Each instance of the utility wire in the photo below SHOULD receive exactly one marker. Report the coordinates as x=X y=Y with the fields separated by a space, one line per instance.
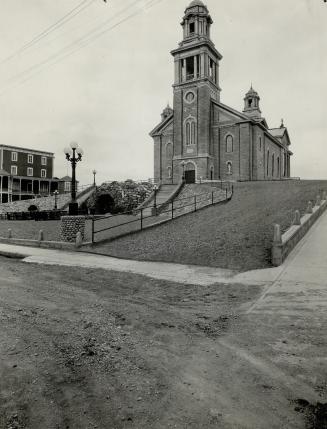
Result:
x=78 y=44
x=62 y=21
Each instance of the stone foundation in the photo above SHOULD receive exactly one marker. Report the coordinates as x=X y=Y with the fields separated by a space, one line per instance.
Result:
x=70 y=226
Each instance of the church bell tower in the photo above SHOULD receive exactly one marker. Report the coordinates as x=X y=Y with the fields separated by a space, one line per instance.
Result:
x=196 y=85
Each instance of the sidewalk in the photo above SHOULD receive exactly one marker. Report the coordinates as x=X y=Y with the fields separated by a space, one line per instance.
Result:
x=306 y=266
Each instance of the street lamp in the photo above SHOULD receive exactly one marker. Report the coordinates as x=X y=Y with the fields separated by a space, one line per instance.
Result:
x=56 y=193
x=70 y=153
x=183 y=165
x=94 y=172
x=155 y=189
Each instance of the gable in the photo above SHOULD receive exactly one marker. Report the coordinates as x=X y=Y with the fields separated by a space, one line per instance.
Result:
x=164 y=127
x=226 y=114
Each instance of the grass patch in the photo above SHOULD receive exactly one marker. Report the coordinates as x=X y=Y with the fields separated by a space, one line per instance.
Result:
x=29 y=229
x=237 y=235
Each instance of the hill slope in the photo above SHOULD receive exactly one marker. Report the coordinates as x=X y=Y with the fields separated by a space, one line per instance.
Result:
x=237 y=235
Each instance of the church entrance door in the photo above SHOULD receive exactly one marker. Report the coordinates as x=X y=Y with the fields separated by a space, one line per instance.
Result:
x=190 y=176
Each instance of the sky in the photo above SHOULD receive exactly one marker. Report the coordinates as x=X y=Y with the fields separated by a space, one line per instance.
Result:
x=108 y=94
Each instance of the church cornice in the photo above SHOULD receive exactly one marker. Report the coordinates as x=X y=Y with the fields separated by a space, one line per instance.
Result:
x=187 y=47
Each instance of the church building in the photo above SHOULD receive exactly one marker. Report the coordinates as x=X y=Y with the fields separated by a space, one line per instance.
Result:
x=202 y=138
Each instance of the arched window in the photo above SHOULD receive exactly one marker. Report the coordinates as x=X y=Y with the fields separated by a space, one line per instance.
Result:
x=169 y=172
x=260 y=143
x=229 y=167
x=169 y=150
x=268 y=163
x=229 y=144
x=190 y=131
x=273 y=165
x=278 y=167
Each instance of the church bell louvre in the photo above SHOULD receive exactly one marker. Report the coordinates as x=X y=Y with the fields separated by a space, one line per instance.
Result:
x=200 y=136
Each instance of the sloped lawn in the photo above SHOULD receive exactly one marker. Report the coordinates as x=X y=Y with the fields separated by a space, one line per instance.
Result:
x=237 y=235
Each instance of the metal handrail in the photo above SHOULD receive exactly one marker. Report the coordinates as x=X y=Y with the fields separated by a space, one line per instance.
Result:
x=197 y=199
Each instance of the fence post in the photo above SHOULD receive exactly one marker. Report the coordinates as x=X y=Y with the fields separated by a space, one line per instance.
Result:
x=93 y=230
x=141 y=219
x=212 y=197
x=195 y=203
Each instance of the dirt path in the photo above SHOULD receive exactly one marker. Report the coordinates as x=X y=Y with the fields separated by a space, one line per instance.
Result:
x=84 y=348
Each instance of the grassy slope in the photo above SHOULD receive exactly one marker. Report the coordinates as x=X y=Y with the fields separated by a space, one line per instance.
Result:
x=237 y=235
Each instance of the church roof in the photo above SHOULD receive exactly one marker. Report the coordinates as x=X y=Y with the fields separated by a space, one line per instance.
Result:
x=277 y=132
x=162 y=125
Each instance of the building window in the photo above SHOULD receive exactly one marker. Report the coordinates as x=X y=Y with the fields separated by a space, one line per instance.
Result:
x=30 y=171
x=14 y=156
x=169 y=172
x=169 y=150
x=189 y=68
x=278 y=167
x=229 y=144
x=14 y=170
x=190 y=132
x=67 y=186
x=273 y=165
x=43 y=160
x=260 y=143
x=43 y=173
x=229 y=167
x=268 y=163
x=192 y=28
x=30 y=159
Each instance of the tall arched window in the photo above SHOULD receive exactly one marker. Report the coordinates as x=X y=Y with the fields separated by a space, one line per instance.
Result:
x=169 y=150
x=273 y=165
x=169 y=172
x=229 y=167
x=229 y=144
x=260 y=142
x=190 y=132
x=268 y=163
x=278 y=167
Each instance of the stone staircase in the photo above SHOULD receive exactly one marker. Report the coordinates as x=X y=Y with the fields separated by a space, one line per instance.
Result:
x=164 y=195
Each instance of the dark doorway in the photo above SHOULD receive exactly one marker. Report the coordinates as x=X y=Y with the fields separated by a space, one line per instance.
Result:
x=190 y=176
x=105 y=204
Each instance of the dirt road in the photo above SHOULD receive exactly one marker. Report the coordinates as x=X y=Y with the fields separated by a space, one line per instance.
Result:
x=84 y=348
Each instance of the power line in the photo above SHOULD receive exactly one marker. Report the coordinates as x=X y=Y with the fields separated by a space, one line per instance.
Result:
x=62 y=21
x=78 y=44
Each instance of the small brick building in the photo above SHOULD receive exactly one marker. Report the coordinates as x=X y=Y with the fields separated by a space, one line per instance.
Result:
x=202 y=137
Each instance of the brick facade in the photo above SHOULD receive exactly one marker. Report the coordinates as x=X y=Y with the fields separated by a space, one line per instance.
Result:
x=203 y=134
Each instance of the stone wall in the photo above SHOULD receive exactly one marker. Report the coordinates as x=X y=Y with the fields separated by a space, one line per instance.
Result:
x=284 y=244
x=70 y=226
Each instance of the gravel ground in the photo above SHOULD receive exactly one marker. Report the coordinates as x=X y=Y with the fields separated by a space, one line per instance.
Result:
x=85 y=349
x=236 y=235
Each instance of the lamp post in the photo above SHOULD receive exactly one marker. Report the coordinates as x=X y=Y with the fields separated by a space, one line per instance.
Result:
x=155 y=189
x=183 y=165
x=73 y=154
x=94 y=172
x=56 y=193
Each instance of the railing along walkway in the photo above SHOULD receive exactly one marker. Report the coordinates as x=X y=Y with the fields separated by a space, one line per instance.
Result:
x=111 y=227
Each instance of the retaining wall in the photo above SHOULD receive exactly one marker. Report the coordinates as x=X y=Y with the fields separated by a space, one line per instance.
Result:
x=283 y=245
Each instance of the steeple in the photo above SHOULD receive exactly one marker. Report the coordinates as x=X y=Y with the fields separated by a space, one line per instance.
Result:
x=251 y=104
x=196 y=21
x=196 y=58
x=168 y=111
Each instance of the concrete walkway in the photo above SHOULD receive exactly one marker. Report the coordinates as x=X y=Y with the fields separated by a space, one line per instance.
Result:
x=306 y=267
